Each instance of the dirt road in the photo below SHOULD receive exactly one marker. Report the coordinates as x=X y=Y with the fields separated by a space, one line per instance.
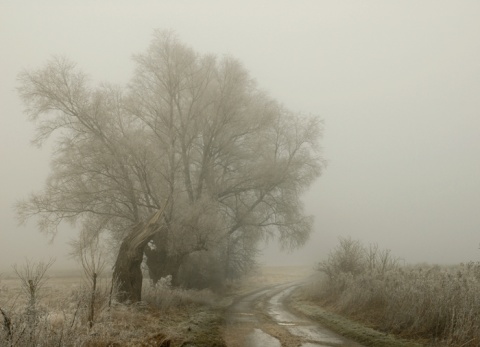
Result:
x=261 y=318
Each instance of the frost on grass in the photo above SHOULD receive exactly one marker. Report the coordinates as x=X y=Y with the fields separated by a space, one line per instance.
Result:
x=438 y=304
x=62 y=312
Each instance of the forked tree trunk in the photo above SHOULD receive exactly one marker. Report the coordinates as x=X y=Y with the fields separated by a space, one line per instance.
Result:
x=127 y=271
x=160 y=264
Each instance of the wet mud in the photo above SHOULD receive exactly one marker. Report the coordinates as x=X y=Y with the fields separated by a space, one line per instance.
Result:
x=263 y=319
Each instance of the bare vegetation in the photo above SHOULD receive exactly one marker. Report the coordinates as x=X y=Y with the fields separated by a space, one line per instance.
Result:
x=434 y=304
x=70 y=313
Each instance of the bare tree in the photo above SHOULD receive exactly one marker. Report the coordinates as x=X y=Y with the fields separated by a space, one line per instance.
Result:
x=191 y=127
x=230 y=152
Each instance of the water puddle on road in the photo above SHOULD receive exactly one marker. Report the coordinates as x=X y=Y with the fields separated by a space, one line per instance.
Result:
x=262 y=319
x=314 y=333
x=259 y=338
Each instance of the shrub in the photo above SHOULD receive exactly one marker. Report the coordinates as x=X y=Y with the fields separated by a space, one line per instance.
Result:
x=351 y=257
x=436 y=303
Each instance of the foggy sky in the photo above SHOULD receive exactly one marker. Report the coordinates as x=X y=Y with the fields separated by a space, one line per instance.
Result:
x=396 y=83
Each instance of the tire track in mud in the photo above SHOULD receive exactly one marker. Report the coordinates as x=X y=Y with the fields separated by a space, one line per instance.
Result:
x=262 y=319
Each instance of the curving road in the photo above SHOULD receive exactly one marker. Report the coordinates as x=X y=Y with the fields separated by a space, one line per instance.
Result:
x=262 y=319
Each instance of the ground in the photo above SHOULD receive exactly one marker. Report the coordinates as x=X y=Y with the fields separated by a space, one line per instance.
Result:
x=173 y=317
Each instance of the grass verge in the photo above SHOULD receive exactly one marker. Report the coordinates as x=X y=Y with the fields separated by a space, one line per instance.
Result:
x=346 y=327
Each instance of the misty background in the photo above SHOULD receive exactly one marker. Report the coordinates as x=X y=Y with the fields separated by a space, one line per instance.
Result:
x=397 y=85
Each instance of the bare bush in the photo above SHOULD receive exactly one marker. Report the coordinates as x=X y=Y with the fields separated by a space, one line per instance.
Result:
x=440 y=304
x=353 y=258
x=91 y=255
x=347 y=257
x=32 y=278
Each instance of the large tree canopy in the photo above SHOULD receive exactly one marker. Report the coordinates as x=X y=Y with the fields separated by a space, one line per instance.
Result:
x=191 y=128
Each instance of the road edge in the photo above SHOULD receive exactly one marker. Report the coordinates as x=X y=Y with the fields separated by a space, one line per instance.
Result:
x=344 y=326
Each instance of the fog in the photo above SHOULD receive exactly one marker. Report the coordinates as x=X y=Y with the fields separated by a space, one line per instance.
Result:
x=397 y=85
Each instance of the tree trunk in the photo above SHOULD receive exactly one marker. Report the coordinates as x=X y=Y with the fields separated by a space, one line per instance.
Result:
x=160 y=264
x=156 y=264
x=127 y=270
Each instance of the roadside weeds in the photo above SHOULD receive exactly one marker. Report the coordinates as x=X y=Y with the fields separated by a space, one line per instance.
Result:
x=344 y=326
